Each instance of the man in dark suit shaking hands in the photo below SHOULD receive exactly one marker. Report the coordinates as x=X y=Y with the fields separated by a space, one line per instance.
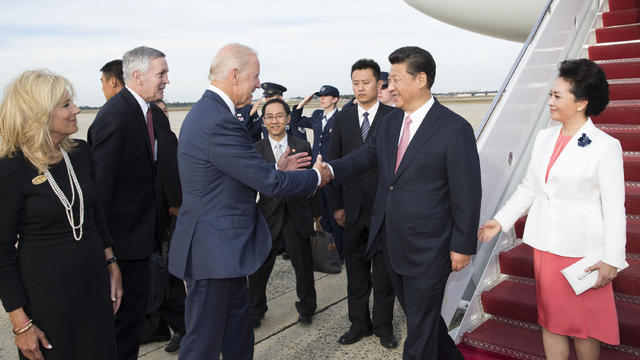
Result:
x=290 y=219
x=352 y=203
x=221 y=236
x=125 y=148
x=427 y=205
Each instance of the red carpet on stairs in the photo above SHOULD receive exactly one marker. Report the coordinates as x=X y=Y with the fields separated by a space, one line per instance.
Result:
x=510 y=330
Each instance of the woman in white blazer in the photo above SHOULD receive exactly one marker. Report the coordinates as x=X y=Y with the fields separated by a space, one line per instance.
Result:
x=574 y=191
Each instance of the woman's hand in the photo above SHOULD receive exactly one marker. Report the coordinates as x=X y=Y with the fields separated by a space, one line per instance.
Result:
x=115 y=280
x=489 y=230
x=606 y=273
x=28 y=343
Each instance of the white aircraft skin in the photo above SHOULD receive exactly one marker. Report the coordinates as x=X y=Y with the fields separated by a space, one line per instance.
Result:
x=504 y=19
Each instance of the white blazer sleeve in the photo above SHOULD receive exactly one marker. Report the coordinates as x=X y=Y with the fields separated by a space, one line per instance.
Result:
x=521 y=199
x=612 y=195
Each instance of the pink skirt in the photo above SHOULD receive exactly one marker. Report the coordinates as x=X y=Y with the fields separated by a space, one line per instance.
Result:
x=591 y=314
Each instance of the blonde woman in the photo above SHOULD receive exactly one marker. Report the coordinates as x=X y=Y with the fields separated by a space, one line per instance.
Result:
x=61 y=284
x=574 y=190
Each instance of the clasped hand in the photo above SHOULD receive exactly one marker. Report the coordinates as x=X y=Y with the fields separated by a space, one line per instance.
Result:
x=325 y=173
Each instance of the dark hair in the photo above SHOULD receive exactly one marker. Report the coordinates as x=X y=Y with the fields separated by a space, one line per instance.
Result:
x=287 y=109
x=367 y=64
x=418 y=60
x=160 y=101
x=588 y=82
x=113 y=69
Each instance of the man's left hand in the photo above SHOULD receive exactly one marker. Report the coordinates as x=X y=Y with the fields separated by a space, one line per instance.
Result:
x=293 y=162
x=459 y=261
x=174 y=210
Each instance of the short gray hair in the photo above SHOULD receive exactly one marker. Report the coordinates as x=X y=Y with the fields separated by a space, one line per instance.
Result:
x=231 y=56
x=138 y=59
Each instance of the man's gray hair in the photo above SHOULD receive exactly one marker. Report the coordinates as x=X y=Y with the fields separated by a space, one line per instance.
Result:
x=138 y=59
x=231 y=56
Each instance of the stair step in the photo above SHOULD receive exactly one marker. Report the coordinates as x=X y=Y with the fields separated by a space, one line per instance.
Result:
x=621 y=68
x=615 y=51
x=624 y=89
x=628 y=135
x=618 y=33
x=623 y=4
x=626 y=112
x=631 y=161
x=522 y=342
x=633 y=232
x=621 y=17
x=519 y=262
x=632 y=197
x=517 y=300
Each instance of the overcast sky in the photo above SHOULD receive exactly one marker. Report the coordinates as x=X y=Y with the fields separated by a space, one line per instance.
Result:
x=301 y=44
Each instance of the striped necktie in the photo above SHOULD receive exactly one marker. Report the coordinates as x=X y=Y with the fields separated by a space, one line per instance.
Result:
x=364 y=129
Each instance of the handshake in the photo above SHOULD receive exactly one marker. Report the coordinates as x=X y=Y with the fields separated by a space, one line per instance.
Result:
x=302 y=161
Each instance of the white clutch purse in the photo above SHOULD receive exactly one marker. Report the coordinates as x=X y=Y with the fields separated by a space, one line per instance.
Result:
x=580 y=280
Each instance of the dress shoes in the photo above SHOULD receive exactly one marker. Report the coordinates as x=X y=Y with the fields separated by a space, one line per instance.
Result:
x=256 y=320
x=388 y=340
x=174 y=343
x=352 y=336
x=305 y=319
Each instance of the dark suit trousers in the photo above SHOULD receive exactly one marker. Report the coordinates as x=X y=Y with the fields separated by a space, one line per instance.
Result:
x=421 y=299
x=131 y=315
x=299 y=249
x=330 y=225
x=360 y=280
x=170 y=314
x=218 y=320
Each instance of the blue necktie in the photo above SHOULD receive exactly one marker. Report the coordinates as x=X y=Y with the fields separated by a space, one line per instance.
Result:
x=364 y=129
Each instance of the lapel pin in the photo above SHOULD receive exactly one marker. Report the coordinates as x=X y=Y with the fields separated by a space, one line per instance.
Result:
x=584 y=140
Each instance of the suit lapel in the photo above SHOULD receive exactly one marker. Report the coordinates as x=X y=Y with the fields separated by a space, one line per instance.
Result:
x=395 y=124
x=571 y=150
x=428 y=126
x=141 y=121
x=264 y=148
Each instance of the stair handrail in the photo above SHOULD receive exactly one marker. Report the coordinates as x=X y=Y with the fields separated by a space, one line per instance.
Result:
x=505 y=136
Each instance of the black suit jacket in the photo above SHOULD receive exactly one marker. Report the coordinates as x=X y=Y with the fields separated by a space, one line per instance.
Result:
x=168 y=191
x=356 y=195
x=126 y=174
x=431 y=205
x=301 y=209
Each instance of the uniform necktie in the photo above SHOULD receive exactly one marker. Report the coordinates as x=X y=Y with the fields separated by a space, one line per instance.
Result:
x=404 y=141
x=152 y=137
x=364 y=129
x=278 y=152
x=324 y=122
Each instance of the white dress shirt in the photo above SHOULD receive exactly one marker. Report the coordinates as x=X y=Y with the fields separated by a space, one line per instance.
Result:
x=372 y=113
x=416 y=119
x=283 y=145
x=326 y=117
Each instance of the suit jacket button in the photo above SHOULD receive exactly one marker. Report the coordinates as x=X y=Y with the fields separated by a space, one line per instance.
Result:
x=391 y=188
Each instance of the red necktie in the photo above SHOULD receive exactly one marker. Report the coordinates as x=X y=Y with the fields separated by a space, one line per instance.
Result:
x=152 y=137
x=404 y=141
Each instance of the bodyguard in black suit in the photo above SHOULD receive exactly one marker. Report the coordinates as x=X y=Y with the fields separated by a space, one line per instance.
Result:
x=125 y=148
x=290 y=219
x=427 y=207
x=352 y=203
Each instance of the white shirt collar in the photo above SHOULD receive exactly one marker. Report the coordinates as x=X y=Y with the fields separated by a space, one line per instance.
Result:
x=143 y=104
x=418 y=115
x=372 y=113
x=329 y=115
x=283 y=142
x=225 y=97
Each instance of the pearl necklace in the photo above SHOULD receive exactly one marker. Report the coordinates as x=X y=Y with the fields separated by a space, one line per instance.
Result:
x=68 y=205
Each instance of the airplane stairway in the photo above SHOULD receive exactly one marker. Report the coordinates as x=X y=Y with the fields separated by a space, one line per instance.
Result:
x=510 y=330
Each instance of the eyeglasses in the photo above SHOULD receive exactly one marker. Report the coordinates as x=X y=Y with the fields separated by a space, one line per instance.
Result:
x=279 y=117
x=384 y=86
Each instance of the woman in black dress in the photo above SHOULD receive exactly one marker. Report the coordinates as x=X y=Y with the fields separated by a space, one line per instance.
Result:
x=61 y=284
